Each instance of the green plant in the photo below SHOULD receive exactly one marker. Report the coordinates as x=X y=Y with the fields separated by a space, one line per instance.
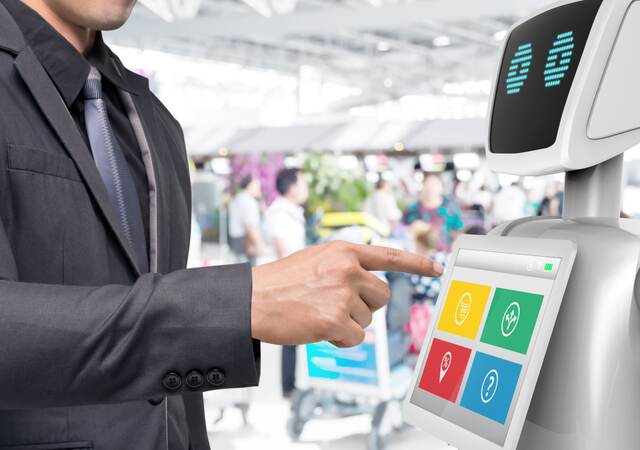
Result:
x=332 y=187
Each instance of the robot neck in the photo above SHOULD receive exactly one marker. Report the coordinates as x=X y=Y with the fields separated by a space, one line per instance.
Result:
x=595 y=191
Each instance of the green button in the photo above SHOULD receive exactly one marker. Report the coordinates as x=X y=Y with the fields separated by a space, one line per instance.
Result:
x=512 y=319
x=548 y=267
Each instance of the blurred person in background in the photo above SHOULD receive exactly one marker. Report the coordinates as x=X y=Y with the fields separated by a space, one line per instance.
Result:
x=482 y=197
x=286 y=228
x=551 y=204
x=382 y=204
x=245 y=235
x=437 y=210
x=474 y=202
x=509 y=203
x=477 y=230
x=427 y=244
x=412 y=299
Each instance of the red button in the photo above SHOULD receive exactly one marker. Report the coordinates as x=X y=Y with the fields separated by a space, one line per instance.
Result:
x=444 y=370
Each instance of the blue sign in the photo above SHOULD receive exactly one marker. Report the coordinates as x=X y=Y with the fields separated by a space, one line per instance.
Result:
x=558 y=59
x=519 y=68
x=353 y=365
x=491 y=385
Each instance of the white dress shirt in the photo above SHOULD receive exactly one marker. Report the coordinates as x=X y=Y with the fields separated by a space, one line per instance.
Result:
x=284 y=220
x=244 y=210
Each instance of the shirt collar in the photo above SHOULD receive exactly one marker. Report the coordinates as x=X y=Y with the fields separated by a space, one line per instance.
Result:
x=289 y=206
x=67 y=68
x=102 y=59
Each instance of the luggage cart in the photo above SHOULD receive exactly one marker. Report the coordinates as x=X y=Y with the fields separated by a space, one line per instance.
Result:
x=347 y=382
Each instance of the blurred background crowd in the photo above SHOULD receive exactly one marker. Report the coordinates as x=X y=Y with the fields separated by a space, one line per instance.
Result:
x=264 y=207
x=313 y=120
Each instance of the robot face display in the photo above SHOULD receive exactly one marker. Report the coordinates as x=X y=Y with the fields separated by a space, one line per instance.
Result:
x=566 y=89
x=538 y=69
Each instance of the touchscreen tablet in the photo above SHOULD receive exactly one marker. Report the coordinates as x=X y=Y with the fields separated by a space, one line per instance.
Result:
x=483 y=352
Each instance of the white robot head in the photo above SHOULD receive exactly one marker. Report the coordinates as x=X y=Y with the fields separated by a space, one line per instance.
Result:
x=567 y=94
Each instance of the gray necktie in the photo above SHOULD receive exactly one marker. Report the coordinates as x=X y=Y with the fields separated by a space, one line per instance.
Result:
x=113 y=169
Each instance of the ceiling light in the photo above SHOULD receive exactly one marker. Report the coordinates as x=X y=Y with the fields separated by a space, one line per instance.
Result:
x=442 y=41
x=383 y=46
x=261 y=6
x=376 y=3
x=500 y=35
x=399 y=146
x=479 y=87
x=388 y=82
x=466 y=160
x=283 y=7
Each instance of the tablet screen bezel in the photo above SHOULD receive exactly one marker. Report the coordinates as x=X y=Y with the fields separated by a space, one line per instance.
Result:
x=455 y=434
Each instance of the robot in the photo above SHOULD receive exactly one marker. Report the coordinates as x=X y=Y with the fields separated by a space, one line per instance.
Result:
x=567 y=99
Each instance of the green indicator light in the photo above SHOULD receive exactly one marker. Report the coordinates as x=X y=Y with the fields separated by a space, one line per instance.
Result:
x=548 y=267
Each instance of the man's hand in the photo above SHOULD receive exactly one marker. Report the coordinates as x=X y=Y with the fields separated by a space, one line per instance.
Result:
x=326 y=293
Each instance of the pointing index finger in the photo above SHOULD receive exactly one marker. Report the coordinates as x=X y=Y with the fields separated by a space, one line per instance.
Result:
x=390 y=259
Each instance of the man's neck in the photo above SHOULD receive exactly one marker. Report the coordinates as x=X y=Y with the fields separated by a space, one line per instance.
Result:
x=432 y=202
x=81 y=38
x=290 y=199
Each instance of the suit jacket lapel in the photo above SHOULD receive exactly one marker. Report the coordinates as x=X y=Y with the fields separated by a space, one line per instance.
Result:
x=60 y=119
x=143 y=120
x=146 y=144
x=144 y=106
x=10 y=35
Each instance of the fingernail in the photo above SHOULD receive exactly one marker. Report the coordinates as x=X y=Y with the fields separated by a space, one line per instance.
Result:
x=437 y=268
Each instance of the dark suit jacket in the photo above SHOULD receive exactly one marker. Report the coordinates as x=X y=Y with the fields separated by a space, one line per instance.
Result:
x=86 y=341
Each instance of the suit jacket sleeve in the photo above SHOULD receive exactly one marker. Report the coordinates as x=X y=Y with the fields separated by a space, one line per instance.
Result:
x=67 y=345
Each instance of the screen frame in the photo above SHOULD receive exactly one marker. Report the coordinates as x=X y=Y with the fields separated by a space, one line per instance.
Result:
x=528 y=117
x=452 y=433
x=573 y=149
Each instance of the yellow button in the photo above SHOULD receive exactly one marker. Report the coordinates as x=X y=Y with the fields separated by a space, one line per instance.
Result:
x=464 y=308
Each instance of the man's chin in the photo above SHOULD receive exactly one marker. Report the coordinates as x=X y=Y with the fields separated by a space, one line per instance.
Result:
x=120 y=12
x=109 y=24
x=112 y=26
x=111 y=18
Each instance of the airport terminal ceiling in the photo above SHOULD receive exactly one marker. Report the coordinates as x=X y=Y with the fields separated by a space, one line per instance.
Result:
x=388 y=49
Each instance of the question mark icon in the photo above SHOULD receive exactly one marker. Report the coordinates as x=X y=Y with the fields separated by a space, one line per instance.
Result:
x=489 y=386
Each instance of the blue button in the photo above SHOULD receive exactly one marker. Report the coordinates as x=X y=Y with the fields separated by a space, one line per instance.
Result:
x=490 y=387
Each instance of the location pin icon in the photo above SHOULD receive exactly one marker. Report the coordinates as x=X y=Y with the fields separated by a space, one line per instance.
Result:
x=444 y=365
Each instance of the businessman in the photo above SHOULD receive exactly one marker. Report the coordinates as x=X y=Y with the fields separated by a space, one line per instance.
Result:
x=106 y=341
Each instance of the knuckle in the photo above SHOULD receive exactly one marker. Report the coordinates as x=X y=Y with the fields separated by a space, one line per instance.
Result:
x=359 y=337
x=392 y=254
x=386 y=293
x=350 y=268
x=338 y=313
x=342 y=309
x=338 y=246
x=328 y=327
x=368 y=320
x=343 y=295
x=341 y=268
x=345 y=267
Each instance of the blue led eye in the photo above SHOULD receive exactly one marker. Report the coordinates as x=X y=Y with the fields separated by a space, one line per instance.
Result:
x=519 y=68
x=559 y=59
